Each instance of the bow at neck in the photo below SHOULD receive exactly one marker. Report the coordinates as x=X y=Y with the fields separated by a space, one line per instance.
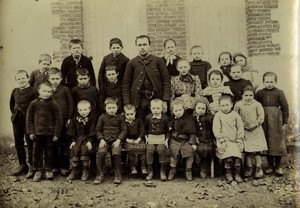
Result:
x=83 y=120
x=157 y=117
x=170 y=59
x=186 y=78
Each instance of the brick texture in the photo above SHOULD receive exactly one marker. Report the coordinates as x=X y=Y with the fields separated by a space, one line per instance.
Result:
x=260 y=27
x=70 y=25
x=166 y=19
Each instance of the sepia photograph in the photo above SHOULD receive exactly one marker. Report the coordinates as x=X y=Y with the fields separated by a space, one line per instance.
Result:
x=149 y=103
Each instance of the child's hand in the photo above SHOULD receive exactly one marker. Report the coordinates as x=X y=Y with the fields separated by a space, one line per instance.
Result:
x=222 y=147
x=102 y=143
x=117 y=143
x=32 y=137
x=55 y=138
x=167 y=144
x=130 y=141
x=137 y=141
x=251 y=127
x=68 y=122
x=89 y=145
x=194 y=147
x=72 y=145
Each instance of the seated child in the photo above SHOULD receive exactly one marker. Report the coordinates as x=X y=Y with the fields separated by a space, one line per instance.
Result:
x=81 y=131
x=111 y=129
x=237 y=83
x=41 y=74
x=185 y=86
x=228 y=129
x=225 y=60
x=19 y=101
x=43 y=124
x=205 y=138
x=199 y=67
x=115 y=58
x=75 y=61
x=156 y=129
x=135 y=136
x=253 y=116
x=170 y=58
x=183 y=132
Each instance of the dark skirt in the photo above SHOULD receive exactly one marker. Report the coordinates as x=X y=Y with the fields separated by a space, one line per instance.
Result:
x=206 y=149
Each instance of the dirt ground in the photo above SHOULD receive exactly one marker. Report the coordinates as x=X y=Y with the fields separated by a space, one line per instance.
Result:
x=271 y=191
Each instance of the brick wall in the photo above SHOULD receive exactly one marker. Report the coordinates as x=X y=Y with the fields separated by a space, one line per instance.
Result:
x=70 y=25
x=166 y=19
x=260 y=27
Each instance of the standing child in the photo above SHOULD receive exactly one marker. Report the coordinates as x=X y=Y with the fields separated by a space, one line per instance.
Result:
x=228 y=129
x=111 y=129
x=252 y=114
x=43 y=124
x=170 y=58
x=199 y=67
x=41 y=75
x=276 y=119
x=81 y=131
x=156 y=129
x=225 y=60
x=63 y=97
x=115 y=58
x=183 y=139
x=205 y=137
x=185 y=86
x=74 y=61
x=135 y=139
x=19 y=101
x=237 y=83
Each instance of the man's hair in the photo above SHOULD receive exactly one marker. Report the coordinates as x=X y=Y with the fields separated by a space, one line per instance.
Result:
x=177 y=102
x=217 y=72
x=115 y=41
x=110 y=68
x=270 y=74
x=82 y=72
x=195 y=46
x=53 y=71
x=75 y=41
x=110 y=100
x=129 y=107
x=22 y=72
x=156 y=101
x=143 y=36
x=48 y=84
x=223 y=53
x=83 y=102
x=169 y=40
x=226 y=97
x=236 y=65
x=45 y=57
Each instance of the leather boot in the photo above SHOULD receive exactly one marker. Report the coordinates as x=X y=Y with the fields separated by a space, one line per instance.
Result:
x=85 y=173
x=188 y=174
x=248 y=172
x=172 y=173
x=237 y=174
x=118 y=167
x=75 y=171
x=259 y=173
x=30 y=173
x=228 y=175
x=143 y=167
x=22 y=170
x=150 y=173
x=163 y=176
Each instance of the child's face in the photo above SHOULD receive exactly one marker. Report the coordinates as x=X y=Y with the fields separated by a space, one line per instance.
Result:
x=44 y=65
x=197 y=54
x=76 y=49
x=111 y=109
x=183 y=67
x=111 y=75
x=240 y=61
x=84 y=110
x=236 y=72
x=130 y=114
x=143 y=46
x=200 y=109
x=225 y=59
x=116 y=49
x=156 y=108
x=215 y=80
x=178 y=110
x=269 y=82
x=226 y=106
x=54 y=79
x=83 y=80
x=22 y=80
x=248 y=96
x=45 y=92
x=170 y=48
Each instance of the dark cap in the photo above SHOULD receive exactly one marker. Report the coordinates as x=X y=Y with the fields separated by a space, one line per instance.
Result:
x=115 y=41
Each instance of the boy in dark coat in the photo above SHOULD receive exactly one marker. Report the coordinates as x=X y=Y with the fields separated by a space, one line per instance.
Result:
x=40 y=75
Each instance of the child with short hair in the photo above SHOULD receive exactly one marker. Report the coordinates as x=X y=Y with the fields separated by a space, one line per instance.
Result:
x=81 y=131
x=156 y=131
x=43 y=124
x=205 y=138
x=276 y=119
x=41 y=74
x=111 y=88
x=228 y=129
x=76 y=60
x=135 y=139
x=183 y=132
x=111 y=129
x=185 y=86
x=237 y=83
x=115 y=58
x=85 y=90
x=198 y=66
x=19 y=101
x=225 y=60
x=170 y=58
x=63 y=97
x=253 y=115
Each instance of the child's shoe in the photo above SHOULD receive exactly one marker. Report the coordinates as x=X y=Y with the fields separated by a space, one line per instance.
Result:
x=118 y=177
x=228 y=175
x=144 y=170
x=269 y=170
x=249 y=172
x=203 y=173
x=99 y=178
x=133 y=170
x=30 y=173
x=49 y=175
x=237 y=174
x=85 y=174
x=259 y=174
x=64 y=172
x=172 y=174
x=150 y=173
x=74 y=174
x=55 y=171
x=188 y=174
x=22 y=170
x=279 y=171
x=37 y=176
x=163 y=176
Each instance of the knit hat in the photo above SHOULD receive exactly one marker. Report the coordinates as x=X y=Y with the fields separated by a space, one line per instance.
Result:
x=115 y=41
x=201 y=99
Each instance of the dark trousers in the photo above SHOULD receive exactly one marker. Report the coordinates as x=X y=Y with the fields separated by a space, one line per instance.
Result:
x=42 y=150
x=61 y=152
x=144 y=107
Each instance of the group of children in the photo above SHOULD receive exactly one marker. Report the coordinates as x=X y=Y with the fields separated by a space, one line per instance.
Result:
x=220 y=112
